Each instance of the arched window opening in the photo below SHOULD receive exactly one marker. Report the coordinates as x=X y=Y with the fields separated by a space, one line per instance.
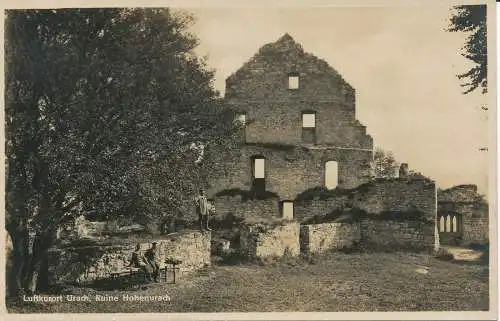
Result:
x=331 y=174
x=441 y=224
x=448 y=223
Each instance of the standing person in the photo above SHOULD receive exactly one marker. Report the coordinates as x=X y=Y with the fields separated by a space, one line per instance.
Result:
x=202 y=208
x=139 y=261
x=152 y=257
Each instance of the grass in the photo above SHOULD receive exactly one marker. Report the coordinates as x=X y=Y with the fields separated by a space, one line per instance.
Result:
x=329 y=283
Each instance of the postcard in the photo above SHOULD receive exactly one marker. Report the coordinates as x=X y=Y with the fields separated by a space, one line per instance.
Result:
x=319 y=160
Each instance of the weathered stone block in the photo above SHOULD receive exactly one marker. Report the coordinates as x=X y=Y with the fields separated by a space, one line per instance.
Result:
x=318 y=238
x=261 y=240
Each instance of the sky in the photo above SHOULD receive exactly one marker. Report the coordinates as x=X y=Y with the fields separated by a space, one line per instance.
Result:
x=402 y=63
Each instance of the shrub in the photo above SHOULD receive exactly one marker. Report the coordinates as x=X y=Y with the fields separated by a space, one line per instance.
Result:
x=321 y=193
x=356 y=215
x=247 y=195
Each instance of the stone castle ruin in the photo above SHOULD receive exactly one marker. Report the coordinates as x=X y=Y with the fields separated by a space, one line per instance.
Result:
x=304 y=158
x=299 y=180
x=300 y=128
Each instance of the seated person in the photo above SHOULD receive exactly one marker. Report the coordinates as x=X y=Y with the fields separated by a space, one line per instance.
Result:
x=139 y=261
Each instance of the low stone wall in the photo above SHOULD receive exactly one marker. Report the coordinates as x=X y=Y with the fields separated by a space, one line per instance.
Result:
x=261 y=240
x=389 y=234
x=89 y=263
x=317 y=238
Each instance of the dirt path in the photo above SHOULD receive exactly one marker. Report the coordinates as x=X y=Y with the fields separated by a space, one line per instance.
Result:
x=464 y=254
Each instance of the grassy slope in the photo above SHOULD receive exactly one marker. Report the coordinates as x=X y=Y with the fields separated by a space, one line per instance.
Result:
x=336 y=282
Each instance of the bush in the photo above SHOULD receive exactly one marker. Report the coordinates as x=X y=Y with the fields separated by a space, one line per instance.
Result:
x=247 y=195
x=356 y=215
x=321 y=193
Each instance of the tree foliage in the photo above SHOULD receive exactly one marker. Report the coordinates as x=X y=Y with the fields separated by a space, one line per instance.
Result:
x=103 y=110
x=471 y=19
x=384 y=164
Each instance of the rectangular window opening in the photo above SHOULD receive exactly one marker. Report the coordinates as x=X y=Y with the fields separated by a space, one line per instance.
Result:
x=331 y=174
x=309 y=127
x=308 y=120
x=287 y=210
x=259 y=176
x=293 y=82
x=259 y=168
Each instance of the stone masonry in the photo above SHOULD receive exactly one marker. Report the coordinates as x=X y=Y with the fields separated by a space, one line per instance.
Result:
x=398 y=195
x=89 y=263
x=317 y=238
x=375 y=234
x=274 y=128
x=263 y=240
x=397 y=235
x=377 y=196
x=298 y=114
x=464 y=203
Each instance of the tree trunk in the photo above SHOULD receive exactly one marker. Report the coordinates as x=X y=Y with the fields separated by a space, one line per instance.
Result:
x=16 y=281
x=33 y=276
x=43 y=281
x=41 y=245
x=19 y=246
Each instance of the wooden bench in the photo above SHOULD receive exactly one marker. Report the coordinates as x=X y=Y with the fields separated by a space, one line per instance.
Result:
x=130 y=274
x=137 y=274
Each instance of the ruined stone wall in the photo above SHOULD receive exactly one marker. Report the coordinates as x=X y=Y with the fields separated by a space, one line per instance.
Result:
x=475 y=223
x=318 y=238
x=305 y=210
x=459 y=193
x=260 y=89
x=476 y=230
x=380 y=195
x=88 y=263
x=465 y=201
x=398 y=195
x=289 y=171
x=234 y=205
x=273 y=129
x=262 y=240
x=367 y=233
x=389 y=234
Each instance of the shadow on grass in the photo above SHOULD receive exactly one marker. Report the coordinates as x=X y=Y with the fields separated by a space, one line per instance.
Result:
x=229 y=259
